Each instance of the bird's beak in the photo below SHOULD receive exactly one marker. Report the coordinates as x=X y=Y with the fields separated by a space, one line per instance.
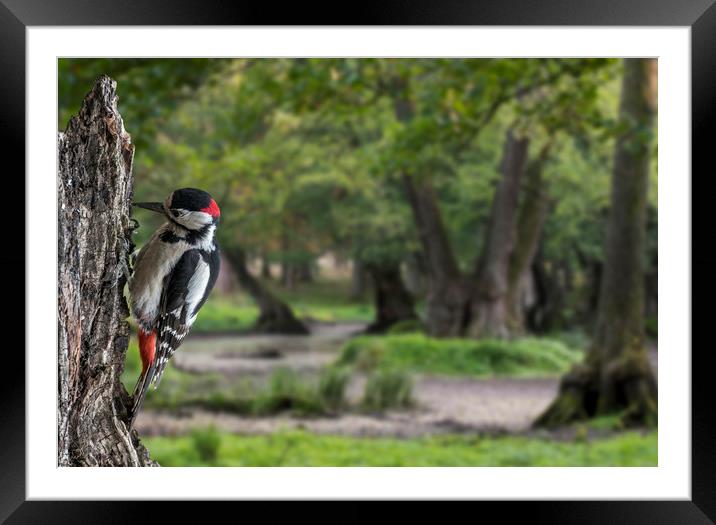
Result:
x=154 y=206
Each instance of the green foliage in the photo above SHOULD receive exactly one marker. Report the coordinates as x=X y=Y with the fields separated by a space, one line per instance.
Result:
x=206 y=442
x=575 y=339
x=419 y=353
x=301 y=449
x=162 y=83
x=410 y=326
x=386 y=389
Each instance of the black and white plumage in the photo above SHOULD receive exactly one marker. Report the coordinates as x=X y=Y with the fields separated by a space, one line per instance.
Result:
x=172 y=277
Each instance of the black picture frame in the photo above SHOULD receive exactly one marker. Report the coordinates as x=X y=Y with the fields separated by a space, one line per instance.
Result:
x=700 y=15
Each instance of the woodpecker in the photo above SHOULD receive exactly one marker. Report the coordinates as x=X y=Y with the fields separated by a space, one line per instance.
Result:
x=172 y=277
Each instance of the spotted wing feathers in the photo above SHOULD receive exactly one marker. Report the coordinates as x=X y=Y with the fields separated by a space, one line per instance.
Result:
x=172 y=325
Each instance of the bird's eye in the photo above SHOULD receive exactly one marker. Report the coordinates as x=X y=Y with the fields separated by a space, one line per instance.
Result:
x=176 y=213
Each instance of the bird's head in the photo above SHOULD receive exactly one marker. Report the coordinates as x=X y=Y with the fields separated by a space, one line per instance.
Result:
x=190 y=208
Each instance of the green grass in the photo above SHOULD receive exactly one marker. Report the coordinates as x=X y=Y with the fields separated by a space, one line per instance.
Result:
x=302 y=449
x=223 y=314
x=326 y=301
x=319 y=301
x=419 y=353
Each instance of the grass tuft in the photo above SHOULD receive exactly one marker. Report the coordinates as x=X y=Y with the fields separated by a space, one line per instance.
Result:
x=386 y=389
x=206 y=443
x=332 y=385
x=287 y=392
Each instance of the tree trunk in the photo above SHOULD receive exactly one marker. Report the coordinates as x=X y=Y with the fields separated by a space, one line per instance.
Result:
x=265 y=268
x=529 y=229
x=276 y=317
x=303 y=271
x=448 y=292
x=592 y=267
x=226 y=283
x=552 y=280
x=287 y=275
x=94 y=191
x=489 y=309
x=358 y=278
x=415 y=273
x=616 y=375
x=651 y=298
x=393 y=303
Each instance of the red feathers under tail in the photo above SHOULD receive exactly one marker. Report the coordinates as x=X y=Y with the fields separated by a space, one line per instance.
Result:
x=147 y=348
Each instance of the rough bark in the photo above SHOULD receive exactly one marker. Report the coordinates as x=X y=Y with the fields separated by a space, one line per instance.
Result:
x=533 y=212
x=489 y=308
x=393 y=302
x=616 y=375
x=94 y=239
x=276 y=317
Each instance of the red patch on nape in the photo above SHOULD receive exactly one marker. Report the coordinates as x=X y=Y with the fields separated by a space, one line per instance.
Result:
x=212 y=209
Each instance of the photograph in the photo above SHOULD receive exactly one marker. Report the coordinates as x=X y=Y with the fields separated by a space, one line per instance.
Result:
x=357 y=262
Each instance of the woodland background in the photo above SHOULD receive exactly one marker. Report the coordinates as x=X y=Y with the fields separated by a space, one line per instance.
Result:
x=414 y=251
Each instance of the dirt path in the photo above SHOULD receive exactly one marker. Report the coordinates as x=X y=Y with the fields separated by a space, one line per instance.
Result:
x=444 y=404
x=260 y=355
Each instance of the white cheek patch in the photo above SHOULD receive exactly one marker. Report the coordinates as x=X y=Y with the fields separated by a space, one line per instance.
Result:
x=194 y=220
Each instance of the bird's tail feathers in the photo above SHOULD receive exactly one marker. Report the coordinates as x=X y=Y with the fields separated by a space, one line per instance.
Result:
x=140 y=391
x=159 y=373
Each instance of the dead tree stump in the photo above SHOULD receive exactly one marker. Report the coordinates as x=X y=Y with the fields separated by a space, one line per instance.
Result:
x=95 y=184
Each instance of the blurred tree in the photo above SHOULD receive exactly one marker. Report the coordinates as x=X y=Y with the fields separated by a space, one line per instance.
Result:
x=616 y=374
x=540 y=92
x=394 y=162
x=535 y=203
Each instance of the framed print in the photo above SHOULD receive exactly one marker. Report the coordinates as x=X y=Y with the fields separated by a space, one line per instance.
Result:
x=413 y=259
